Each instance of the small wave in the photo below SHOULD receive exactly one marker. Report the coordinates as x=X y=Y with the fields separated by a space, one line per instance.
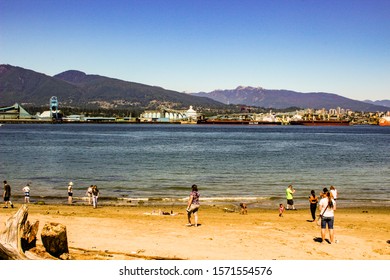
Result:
x=235 y=199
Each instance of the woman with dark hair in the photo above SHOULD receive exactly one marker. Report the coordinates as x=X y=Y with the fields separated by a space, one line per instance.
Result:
x=313 y=199
x=327 y=207
x=193 y=205
x=95 y=196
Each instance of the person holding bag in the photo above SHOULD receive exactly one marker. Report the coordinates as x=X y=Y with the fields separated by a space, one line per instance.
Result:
x=327 y=207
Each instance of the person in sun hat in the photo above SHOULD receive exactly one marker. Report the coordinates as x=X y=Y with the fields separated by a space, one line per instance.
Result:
x=70 y=192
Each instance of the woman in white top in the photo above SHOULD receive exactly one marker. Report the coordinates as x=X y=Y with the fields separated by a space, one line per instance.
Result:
x=333 y=192
x=89 y=194
x=26 y=191
x=327 y=207
x=70 y=192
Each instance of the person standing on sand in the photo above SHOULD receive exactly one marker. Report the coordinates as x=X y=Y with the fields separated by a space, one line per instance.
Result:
x=327 y=207
x=26 y=191
x=193 y=205
x=333 y=192
x=70 y=192
x=281 y=209
x=7 y=195
x=313 y=199
x=89 y=194
x=289 y=196
x=95 y=195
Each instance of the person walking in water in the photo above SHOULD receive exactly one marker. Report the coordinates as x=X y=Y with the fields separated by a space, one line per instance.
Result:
x=7 y=195
x=70 y=192
x=193 y=205
x=26 y=191
x=289 y=196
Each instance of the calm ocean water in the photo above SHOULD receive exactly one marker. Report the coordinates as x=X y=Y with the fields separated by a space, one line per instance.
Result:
x=230 y=164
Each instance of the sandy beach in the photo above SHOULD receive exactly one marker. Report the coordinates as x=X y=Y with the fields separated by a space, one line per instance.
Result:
x=124 y=232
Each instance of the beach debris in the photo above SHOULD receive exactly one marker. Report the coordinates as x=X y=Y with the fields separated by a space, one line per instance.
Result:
x=18 y=236
x=65 y=256
x=29 y=235
x=229 y=210
x=54 y=239
x=160 y=212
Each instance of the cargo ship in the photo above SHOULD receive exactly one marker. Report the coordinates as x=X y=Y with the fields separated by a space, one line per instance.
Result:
x=236 y=122
x=384 y=121
x=320 y=122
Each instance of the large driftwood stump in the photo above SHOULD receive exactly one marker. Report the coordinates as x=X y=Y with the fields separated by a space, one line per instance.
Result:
x=18 y=236
x=54 y=239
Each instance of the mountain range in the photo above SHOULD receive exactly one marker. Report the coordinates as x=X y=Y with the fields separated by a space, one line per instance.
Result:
x=279 y=99
x=385 y=103
x=77 y=89
x=80 y=90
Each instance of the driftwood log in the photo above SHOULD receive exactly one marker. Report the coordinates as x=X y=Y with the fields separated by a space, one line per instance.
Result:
x=55 y=240
x=18 y=237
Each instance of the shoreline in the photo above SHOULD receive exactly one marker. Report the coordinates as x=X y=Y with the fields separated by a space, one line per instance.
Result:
x=233 y=202
x=139 y=232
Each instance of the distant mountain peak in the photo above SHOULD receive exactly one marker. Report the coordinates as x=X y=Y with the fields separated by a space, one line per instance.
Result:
x=282 y=99
x=248 y=88
x=3 y=68
x=385 y=102
x=71 y=76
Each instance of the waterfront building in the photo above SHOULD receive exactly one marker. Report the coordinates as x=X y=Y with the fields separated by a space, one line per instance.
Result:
x=14 y=112
x=169 y=115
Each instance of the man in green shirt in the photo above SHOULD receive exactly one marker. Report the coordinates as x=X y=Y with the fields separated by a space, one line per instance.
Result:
x=289 y=196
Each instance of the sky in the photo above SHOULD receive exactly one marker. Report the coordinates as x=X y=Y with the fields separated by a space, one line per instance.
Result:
x=333 y=46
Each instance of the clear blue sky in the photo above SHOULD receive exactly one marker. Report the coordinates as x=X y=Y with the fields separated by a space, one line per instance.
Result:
x=336 y=46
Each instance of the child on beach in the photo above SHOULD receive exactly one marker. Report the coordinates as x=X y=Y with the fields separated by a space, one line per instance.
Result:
x=281 y=209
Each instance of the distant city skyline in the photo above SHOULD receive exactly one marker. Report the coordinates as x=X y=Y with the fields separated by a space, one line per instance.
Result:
x=340 y=47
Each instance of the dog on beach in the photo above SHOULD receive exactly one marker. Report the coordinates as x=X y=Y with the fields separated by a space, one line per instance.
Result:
x=243 y=209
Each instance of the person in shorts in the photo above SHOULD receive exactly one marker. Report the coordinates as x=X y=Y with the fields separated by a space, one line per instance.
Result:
x=7 y=195
x=70 y=193
x=290 y=199
x=193 y=205
x=26 y=191
x=327 y=207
